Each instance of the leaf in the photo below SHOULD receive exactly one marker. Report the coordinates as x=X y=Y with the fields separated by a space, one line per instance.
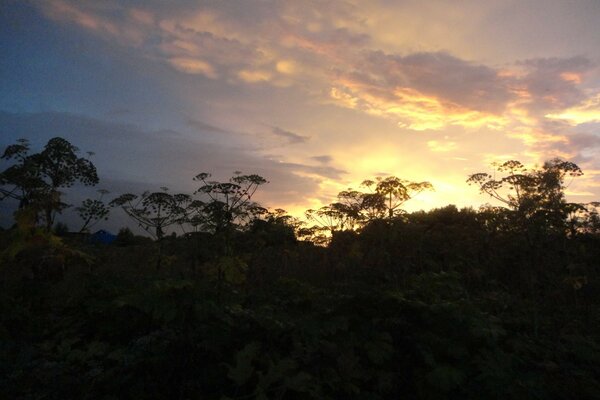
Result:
x=243 y=369
x=234 y=269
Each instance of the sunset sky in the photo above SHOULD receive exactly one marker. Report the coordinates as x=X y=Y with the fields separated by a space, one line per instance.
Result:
x=313 y=95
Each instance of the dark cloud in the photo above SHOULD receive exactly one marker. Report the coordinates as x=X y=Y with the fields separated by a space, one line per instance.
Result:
x=325 y=171
x=583 y=141
x=337 y=37
x=324 y=159
x=185 y=46
x=553 y=83
x=204 y=127
x=291 y=137
x=151 y=159
x=448 y=78
x=582 y=146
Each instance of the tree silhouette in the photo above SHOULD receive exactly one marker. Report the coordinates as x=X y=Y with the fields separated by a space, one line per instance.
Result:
x=394 y=192
x=20 y=180
x=533 y=194
x=332 y=217
x=229 y=203
x=154 y=212
x=35 y=180
x=93 y=211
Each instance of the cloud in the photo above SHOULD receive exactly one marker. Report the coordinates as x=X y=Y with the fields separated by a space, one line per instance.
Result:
x=204 y=127
x=338 y=69
x=588 y=111
x=327 y=49
x=291 y=137
x=193 y=66
x=319 y=171
x=445 y=77
x=164 y=157
x=254 y=76
x=324 y=159
x=424 y=90
x=554 y=83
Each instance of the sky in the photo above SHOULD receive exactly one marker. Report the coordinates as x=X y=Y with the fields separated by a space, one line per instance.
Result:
x=315 y=96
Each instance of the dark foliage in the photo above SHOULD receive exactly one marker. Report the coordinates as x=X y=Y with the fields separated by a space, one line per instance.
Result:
x=492 y=303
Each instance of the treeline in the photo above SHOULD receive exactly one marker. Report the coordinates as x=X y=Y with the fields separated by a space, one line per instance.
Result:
x=362 y=300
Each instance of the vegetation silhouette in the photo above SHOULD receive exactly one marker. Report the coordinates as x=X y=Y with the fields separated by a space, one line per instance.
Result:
x=361 y=301
x=35 y=179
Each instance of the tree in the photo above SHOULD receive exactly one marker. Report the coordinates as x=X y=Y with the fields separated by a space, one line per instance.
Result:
x=537 y=212
x=358 y=207
x=154 y=212
x=394 y=192
x=332 y=217
x=93 y=211
x=585 y=220
x=347 y=213
x=532 y=194
x=35 y=180
x=229 y=203
x=20 y=180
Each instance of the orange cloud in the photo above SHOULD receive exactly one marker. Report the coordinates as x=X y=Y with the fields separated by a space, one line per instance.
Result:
x=531 y=137
x=62 y=10
x=286 y=67
x=194 y=66
x=410 y=108
x=587 y=111
x=571 y=77
x=254 y=76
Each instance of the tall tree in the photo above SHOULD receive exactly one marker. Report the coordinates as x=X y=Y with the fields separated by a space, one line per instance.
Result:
x=333 y=217
x=154 y=212
x=395 y=192
x=228 y=204
x=92 y=211
x=532 y=194
x=36 y=180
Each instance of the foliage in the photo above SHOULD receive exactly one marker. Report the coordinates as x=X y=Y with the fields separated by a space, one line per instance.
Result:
x=395 y=192
x=154 y=212
x=536 y=194
x=37 y=253
x=93 y=211
x=494 y=303
x=229 y=203
x=354 y=209
x=36 y=180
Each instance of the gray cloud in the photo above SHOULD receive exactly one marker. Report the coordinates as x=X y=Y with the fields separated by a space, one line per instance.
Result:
x=583 y=141
x=547 y=81
x=320 y=170
x=151 y=159
x=324 y=159
x=291 y=137
x=438 y=74
x=204 y=127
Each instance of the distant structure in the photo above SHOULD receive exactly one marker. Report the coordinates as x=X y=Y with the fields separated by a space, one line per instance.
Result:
x=103 y=237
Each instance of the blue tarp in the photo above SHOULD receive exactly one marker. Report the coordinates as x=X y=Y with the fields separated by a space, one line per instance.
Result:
x=103 y=237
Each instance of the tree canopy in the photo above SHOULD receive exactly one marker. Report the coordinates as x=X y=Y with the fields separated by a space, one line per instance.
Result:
x=36 y=180
x=536 y=194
